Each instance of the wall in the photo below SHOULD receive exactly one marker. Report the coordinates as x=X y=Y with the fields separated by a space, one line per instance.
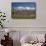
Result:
x=5 y=6
x=25 y=26
x=17 y=35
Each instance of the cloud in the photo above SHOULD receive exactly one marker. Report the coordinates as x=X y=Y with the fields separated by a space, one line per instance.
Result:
x=24 y=8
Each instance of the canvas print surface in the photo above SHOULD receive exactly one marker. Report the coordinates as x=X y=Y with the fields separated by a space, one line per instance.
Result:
x=23 y=10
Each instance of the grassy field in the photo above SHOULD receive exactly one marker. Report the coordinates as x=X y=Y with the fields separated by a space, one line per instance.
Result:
x=23 y=16
x=17 y=15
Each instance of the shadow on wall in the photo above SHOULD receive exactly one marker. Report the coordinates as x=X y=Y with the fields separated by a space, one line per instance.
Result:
x=16 y=43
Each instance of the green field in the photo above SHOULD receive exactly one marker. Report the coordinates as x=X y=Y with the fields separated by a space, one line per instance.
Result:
x=17 y=15
x=23 y=16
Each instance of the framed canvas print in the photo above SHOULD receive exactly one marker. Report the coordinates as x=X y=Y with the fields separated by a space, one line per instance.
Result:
x=23 y=10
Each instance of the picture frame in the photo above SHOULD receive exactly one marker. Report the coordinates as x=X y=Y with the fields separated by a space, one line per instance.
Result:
x=23 y=10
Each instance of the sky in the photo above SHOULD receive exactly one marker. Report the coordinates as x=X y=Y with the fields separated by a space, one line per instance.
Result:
x=23 y=4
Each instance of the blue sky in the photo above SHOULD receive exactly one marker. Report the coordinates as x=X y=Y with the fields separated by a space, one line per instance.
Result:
x=23 y=4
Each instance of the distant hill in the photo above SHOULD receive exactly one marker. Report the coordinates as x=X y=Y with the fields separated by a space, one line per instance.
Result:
x=24 y=11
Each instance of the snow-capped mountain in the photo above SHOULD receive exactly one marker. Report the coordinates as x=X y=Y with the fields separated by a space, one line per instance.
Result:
x=24 y=8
